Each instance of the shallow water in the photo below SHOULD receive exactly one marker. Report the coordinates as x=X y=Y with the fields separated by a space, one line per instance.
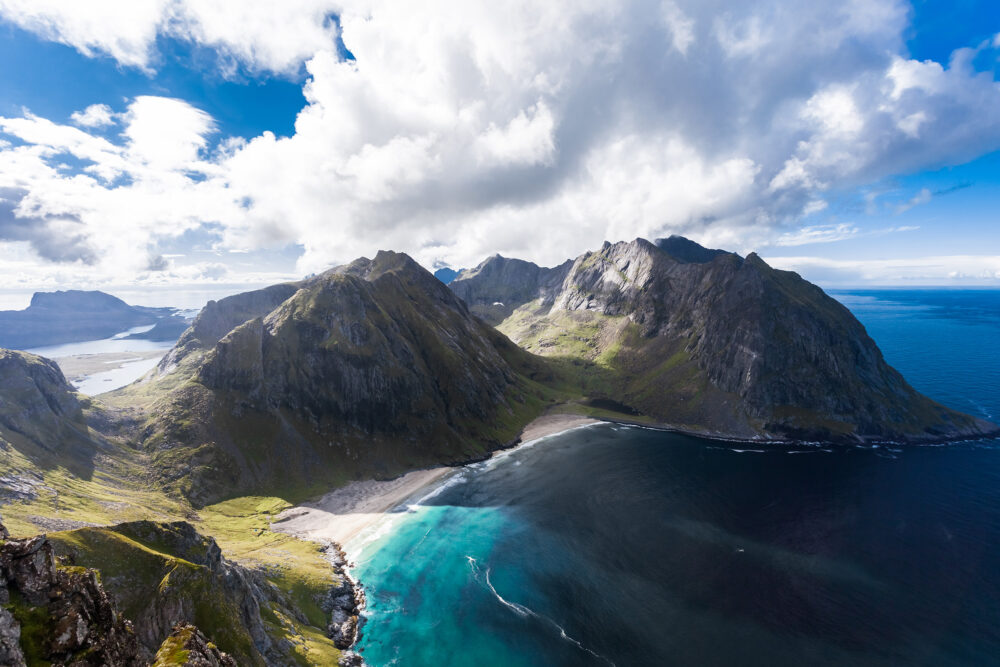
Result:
x=627 y=546
x=116 y=343
x=120 y=374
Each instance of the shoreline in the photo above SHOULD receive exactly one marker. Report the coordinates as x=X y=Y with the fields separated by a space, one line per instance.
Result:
x=341 y=515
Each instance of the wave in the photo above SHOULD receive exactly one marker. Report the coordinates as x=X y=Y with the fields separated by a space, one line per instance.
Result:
x=483 y=577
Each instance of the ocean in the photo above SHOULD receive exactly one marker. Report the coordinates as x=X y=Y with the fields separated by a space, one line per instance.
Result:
x=613 y=545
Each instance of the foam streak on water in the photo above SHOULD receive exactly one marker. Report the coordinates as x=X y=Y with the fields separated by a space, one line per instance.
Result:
x=521 y=610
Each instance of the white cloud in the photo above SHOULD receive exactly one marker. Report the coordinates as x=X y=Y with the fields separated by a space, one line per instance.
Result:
x=922 y=197
x=680 y=25
x=533 y=129
x=96 y=115
x=934 y=270
x=818 y=234
x=122 y=29
x=259 y=34
x=526 y=140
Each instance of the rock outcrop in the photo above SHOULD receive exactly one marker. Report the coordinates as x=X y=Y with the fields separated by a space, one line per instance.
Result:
x=498 y=286
x=58 y=614
x=343 y=602
x=163 y=574
x=719 y=344
x=188 y=647
x=42 y=417
x=220 y=317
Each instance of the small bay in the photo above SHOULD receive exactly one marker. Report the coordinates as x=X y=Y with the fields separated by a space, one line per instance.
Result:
x=618 y=545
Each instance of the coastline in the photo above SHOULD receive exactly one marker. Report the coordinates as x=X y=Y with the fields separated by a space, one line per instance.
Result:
x=344 y=513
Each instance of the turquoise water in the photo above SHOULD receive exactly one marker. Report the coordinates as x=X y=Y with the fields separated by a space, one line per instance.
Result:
x=626 y=546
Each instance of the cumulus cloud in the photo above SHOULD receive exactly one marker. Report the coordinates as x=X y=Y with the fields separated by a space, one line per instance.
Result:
x=96 y=115
x=532 y=129
x=257 y=34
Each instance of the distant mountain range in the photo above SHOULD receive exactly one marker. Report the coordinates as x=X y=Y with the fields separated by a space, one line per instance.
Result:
x=54 y=318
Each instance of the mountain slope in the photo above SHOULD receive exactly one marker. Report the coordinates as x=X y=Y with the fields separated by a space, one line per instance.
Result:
x=369 y=369
x=512 y=282
x=717 y=344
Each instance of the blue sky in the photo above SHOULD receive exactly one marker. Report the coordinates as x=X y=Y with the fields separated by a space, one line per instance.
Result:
x=856 y=144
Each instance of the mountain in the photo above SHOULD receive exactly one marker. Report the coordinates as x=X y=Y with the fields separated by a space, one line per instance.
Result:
x=41 y=416
x=512 y=282
x=369 y=369
x=446 y=274
x=53 y=318
x=712 y=343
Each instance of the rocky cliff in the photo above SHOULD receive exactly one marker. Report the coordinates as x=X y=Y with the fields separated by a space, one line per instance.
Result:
x=42 y=421
x=53 y=611
x=495 y=288
x=162 y=574
x=188 y=647
x=55 y=614
x=718 y=344
x=220 y=317
x=369 y=369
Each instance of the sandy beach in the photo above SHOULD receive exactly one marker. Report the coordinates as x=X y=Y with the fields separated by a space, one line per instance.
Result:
x=344 y=513
x=79 y=366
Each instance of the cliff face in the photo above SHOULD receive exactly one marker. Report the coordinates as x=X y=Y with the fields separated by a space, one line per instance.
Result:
x=159 y=586
x=721 y=344
x=220 y=317
x=162 y=574
x=495 y=288
x=36 y=401
x=59 y=615
x=371 y=368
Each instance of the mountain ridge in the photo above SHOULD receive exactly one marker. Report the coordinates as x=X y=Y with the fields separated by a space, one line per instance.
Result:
x=714 y=343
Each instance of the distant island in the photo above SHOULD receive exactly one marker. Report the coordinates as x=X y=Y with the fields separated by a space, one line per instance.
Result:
x=55 y=318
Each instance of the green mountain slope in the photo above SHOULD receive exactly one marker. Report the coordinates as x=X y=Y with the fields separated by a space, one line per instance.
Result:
x=714 y=343
x=370 y=369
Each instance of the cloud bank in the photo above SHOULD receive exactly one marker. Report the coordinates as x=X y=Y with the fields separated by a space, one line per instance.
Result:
x=461 y=129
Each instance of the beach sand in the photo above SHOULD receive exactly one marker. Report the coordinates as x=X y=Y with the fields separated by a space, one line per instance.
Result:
x=79 y=366
x=344 y=513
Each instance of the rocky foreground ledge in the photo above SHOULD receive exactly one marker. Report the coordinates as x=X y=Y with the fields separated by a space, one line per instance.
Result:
x=53 y=611
x=62 y=615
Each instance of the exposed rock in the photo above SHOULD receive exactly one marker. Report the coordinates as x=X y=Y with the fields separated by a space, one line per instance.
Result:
x=350 y=659
x=10 y=637
x=220 y=317
x=344 y=601
x=719 y=344
x=188 y=647
x=373 y=367
x=162 y=574
x=498 y=286
x=72 y=621
x=36 y=402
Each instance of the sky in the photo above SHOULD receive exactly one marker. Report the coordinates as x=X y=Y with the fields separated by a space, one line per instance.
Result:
x=173 y=143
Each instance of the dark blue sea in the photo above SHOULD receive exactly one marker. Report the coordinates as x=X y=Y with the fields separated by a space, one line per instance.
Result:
x=610 y=545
